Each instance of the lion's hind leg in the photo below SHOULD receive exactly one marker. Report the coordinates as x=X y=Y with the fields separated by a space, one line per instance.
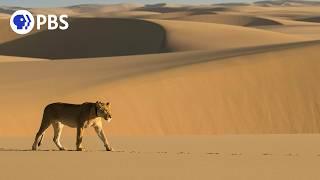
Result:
x=37 y=140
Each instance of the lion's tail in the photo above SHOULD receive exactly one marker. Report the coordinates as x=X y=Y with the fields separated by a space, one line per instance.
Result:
x=39 y=144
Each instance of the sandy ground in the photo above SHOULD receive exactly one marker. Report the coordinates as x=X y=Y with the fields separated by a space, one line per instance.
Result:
x=285 y=157
x=180 y=79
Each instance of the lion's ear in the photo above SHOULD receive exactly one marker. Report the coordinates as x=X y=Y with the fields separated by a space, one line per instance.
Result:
x=99 y=103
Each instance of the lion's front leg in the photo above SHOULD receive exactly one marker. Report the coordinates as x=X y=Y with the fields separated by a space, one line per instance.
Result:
x=57 y=127
x=79 y=139
x=99 y=130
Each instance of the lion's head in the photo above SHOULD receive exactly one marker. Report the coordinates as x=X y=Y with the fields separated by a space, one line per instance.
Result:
x=104 y=110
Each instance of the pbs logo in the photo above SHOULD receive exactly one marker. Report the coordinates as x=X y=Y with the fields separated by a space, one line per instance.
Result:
x=22 y=22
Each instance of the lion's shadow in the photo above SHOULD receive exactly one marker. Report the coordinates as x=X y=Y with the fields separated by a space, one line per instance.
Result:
x=50 y=150
x=45 y=150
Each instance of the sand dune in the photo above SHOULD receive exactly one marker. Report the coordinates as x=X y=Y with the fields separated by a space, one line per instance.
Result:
x=287 y=3
x=170 y=15
x=217 y=36
x=57 y=11
x=5 y=59
x=233 y=96
x=6 y=33
x=239 y=20
x=282 y=12
x=170 y=8
x=163 y=8
x=7 y=10
x=2 y=15
x=103 y=37
x=85 y=10
x=315 y=19
x=308 y=31
x=91 y=37
x=257 y=92
x=131 y=14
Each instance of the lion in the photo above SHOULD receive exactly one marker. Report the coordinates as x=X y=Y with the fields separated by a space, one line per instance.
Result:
x=78 y=116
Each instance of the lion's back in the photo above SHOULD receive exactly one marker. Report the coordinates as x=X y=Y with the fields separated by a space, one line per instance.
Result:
x=64 y=112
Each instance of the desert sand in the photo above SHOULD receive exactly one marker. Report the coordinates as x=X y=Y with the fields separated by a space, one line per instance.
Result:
x=171 y=157
x=225 y=91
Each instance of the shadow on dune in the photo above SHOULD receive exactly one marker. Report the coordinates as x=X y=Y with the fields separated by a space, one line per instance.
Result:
x=231 y=4
x=268 y=3
x=162 y=8
x=315 y=19
x=256 y=21
x=203 y=12
x=7 y=11
x=91 y=37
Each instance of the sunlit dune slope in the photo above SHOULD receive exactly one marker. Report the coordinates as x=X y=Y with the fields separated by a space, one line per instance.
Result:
x=231 y=19
x=217 y=36
x=6 y=34
x=273 y=92
x=266 y=90
x=3 y=15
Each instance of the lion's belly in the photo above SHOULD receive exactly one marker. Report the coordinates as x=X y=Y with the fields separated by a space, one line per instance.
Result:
x=73 y=123
x=69 y=122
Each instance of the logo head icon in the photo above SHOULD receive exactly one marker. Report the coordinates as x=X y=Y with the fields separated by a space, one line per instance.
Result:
x=22 y=22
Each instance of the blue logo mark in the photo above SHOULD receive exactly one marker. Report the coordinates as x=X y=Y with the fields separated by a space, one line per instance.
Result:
x=22 y=22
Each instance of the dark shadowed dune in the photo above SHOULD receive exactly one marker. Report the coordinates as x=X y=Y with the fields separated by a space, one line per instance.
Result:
x=315 y=19
x=162 y=8
x=7 y=10
x=232 y=4
x=287 y=3
x=91 y=37
x=203 y=12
